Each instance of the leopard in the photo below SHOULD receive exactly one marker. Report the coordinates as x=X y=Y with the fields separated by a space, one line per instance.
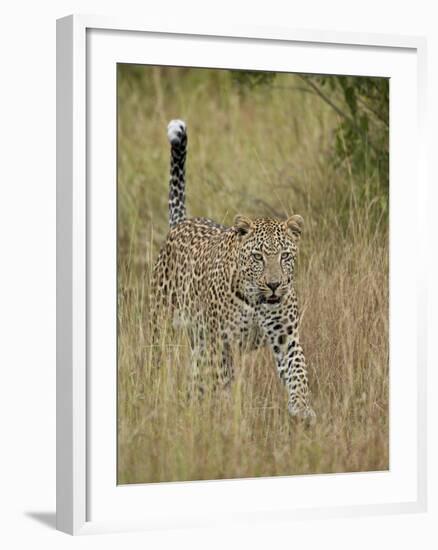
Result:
x=232 y=284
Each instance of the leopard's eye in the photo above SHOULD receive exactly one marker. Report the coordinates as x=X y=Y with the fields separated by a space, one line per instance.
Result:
x=286 y=255
x=257 y=256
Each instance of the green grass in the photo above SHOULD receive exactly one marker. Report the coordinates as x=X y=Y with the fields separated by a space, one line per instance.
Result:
x=265 y=152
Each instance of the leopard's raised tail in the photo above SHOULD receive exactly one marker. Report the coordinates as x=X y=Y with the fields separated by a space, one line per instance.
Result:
x=177 y=135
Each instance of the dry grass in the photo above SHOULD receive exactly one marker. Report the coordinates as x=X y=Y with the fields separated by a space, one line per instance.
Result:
x=263 y=154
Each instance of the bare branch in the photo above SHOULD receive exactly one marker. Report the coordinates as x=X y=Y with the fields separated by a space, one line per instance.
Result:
x=339 y=111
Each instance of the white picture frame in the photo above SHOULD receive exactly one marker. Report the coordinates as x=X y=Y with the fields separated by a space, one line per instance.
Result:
x=85 y=501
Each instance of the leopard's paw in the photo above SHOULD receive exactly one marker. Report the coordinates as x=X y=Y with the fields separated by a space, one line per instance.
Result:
x=307 y=414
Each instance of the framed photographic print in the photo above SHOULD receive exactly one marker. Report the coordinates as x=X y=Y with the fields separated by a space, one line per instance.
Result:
x=240 y=334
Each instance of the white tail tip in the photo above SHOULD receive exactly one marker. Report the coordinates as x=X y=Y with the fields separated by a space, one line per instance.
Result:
x=175 y=131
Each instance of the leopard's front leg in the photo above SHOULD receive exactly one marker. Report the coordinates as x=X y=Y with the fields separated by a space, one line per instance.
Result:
x=282 y=333
x=291 y=366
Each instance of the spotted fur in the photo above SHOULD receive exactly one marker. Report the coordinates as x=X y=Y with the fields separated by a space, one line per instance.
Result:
x=233 y=284
x=177 y=134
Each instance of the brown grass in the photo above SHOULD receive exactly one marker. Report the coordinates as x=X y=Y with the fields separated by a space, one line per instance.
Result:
x=266 y=153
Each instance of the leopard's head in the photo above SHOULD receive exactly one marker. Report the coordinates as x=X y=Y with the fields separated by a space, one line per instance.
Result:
x=267 y=250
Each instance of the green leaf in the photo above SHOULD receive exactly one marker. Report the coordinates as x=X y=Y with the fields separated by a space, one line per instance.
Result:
x=350 y=98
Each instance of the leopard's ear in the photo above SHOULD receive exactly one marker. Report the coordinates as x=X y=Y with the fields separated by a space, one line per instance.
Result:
x=242 y=224
x=294 y=226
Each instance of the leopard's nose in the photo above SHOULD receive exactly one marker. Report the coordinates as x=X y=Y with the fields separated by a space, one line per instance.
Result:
x=273 y=285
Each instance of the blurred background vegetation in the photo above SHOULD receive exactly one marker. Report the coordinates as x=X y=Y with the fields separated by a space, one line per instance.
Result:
x=260 y=144
x=362 y=106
